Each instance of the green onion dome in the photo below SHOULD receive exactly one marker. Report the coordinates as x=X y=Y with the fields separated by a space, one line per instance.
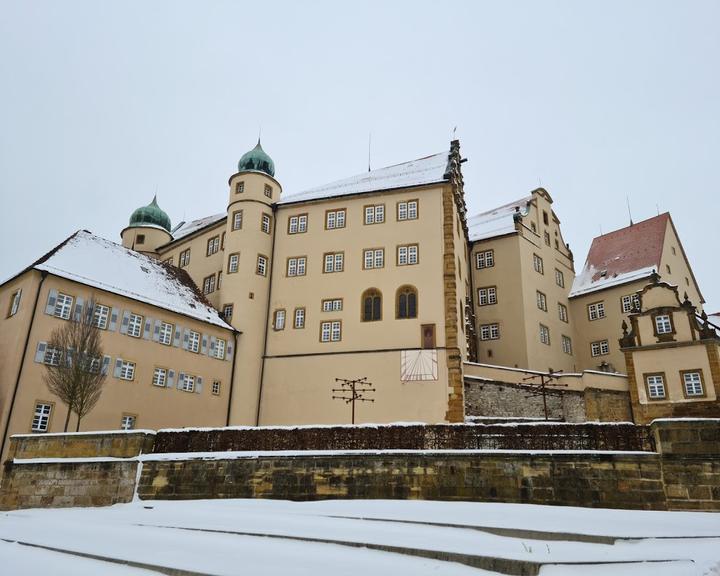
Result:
x=257 y=160
x=151 y=214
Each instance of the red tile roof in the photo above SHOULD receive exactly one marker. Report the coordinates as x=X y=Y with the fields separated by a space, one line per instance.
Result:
x=614 y=257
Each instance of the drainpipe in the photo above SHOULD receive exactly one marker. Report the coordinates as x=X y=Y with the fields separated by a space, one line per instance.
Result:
x=43 y=274
x=232 y=379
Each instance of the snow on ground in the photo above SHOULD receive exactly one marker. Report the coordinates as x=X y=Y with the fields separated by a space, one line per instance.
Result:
x=198 y=535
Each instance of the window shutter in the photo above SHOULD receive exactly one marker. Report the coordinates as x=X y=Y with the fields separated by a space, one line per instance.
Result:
x=105 y=365
x=176 y=340
x=52 y=298
x=118 y=366
x=78 y=309
x=198 y=384
x=40 y=352
x=212 y=345
x=181 y=380
x=156 y=333
x=148 y=325
x=113 y=319
x=171 y=379
x=204 y=344
x=229 y=354
x=186 y=338
x=125 y=322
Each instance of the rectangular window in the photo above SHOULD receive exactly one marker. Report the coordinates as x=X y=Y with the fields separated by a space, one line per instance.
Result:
x=160 y=377
x=268 y=190
x=546 y=236
x=299 y=318
x=296 y=266
x=407 y=210
x=222 y=241
x=489 y=331
x=209 y=284
x=227 y=312
x=166 y=333
x=184 y=258
x=297 y=224
x=559 y=278
x=485 y=259
x=233 y=263
x=220 y=347
x=14 y=303
x=188 y=383
x=331 y=331
x=127 y=422
x=262 y=263
x=407 y=255
x=562 y=312
x=567 y=345
x=538 y=264
x=334 y=262
x=332 y=305
x=663 y=325
x=237 y=220
x=194 y=341
x=239 y=187
x=600 y=348
x=335 y=219
x=135 y=325
x=373 y=258
x=596 y=310
x=279 y=320
x=101 y=314
x=216 y=388
x=127 y=370
x=544 y=334
x=265 y=223
x=375 y=214
x=213 y=245
x=693 y=383
x=630 y=303
x=219 y=279
x=655 y=386
x=63 y=306
x=52 y=356
x=541 y=301
x=487 y=296
x=41 y=418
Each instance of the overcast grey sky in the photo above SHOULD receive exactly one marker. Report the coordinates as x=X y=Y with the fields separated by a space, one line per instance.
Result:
x=103 y=103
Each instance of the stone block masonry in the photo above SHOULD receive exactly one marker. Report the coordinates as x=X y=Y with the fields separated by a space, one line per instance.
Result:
x=679 y=470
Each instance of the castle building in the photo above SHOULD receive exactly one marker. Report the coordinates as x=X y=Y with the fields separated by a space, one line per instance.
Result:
x=253 y=314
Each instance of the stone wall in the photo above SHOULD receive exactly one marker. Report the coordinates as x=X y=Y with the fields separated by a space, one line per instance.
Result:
x=494 y=399
x=81 y=445
x=682 y=473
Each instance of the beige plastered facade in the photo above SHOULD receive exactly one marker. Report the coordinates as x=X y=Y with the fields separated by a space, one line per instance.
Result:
x=152 y=406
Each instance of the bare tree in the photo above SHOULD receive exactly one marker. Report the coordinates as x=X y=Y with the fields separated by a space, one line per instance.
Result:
x=74 y=363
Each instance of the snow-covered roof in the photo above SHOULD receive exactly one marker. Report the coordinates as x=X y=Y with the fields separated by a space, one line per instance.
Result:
x=496 y=222
x=623 y=256
x=187 y=228
x=428 y=170
x=94 y=261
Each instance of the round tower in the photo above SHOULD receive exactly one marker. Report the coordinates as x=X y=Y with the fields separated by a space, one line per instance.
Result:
x=149 y=227
x=249 y=241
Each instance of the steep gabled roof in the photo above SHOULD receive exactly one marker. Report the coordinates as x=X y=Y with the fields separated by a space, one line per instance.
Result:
x=623 y=256
x=427 y=170
x=94 y=261
x=498 y=221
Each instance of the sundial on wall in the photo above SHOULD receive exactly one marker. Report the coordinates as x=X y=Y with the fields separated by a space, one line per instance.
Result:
x=418 y=365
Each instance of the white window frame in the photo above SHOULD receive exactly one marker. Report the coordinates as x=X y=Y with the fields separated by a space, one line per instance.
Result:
x=237 y=220
x=487 y=296
x=188 y=383
x=663 y=324
x=373 y=258
x=41 y=417
x=15 y=303
x=220 y=348
x=165 y=333
x=213 y=245
x=184 y=259
x=135 y=325
x=600 y=348
x=296 y=266
x=629 y=302
x=544 y=335
x=101 y=314
x=334 y=262
x=127 y=422
x=559 y=278
x=490 y=331
x=127 y=370
x=538 y=264
x=655 y=386
x=375 y=214
x=407 y=255
x=209 y=284
x=331 y=331
x=266 y=223
x=299 y=320
x=693 y=386
x=63 y=306
x=541 y=299
x=52 y=356
x=261 y=266
x=279 y=319
x=596 y=311
x=562 y=312
x=335 y=219
x=193 y=341
x=159 y=377
x=567 y=344
x=332 y=305
x=485 y=259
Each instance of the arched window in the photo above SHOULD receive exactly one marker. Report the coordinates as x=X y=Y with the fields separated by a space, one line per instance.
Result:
x=406 y=302
x=371 y=305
